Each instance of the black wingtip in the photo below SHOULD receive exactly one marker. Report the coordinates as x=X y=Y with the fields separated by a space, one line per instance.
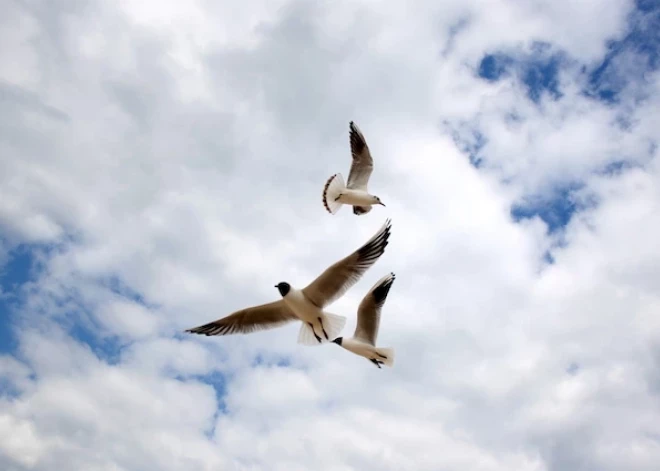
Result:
x=206 y=329
x=358 y=142
x=382 y=290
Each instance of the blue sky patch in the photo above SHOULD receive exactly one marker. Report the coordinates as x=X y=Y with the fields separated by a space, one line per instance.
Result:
x=538 y=70
x=548 y=257
x=280 y=362
x=16 y=272
x=219 y=383
x=108 y=348
x=639 y=46
x=627 y=60
x=616 y=168
x=117 y=286
x=573 y=369
x=468 y=139
x=556 y=210
x=493 y=66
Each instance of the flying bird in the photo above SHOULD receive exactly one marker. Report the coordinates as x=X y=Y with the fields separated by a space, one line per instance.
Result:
x=336 y=193
x=306 y=305
x=363 y=342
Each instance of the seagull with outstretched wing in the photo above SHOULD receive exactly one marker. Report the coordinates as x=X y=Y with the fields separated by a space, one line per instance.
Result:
x=306 y=305
x=355 y=193
x=363 y=342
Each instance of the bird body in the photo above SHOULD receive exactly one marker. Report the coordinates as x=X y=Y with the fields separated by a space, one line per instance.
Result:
x=336 y=193
x=324 y=326
x=356 y=197
x=301 y=306
x=382 y=355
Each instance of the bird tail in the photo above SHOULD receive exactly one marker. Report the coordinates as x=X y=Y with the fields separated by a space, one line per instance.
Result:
x=333 y=188
x=306 y=335
x=386 y=355
x=332 y=324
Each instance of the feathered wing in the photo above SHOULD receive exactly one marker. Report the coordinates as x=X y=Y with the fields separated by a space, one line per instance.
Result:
x=251 y=319
x=338 y=278
x=362 y=164
x=368 y=320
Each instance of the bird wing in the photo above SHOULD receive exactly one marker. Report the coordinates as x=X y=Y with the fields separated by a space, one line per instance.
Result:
x=251 y=319
x=362 y=164
x=368 y=319
x=338 y=278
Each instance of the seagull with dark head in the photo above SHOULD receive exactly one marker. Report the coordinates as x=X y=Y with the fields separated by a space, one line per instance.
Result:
x=363 y=342
x=355 y=193
x=308 y=304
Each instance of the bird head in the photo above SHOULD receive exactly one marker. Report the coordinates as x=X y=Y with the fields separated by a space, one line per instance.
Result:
x=378 y=201
x=283 y=287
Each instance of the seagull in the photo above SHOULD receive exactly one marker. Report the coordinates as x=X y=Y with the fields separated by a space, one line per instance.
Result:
x=363 y=342
x=306 y=305
x=336 y=193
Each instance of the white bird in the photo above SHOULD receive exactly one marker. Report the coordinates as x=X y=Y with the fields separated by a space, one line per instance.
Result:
x=363 y=342
x=336 y=193
x=306 y=305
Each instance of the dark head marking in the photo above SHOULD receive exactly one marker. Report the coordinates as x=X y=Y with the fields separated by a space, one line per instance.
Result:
x=283 y=287
x=338 y=340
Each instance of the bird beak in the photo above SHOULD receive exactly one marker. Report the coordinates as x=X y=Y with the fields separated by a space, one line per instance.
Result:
x=275 y=286
x=381 y=203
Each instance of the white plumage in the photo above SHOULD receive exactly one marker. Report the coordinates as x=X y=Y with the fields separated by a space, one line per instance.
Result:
x=306 y=305
x=363 y=342
x=336 y=192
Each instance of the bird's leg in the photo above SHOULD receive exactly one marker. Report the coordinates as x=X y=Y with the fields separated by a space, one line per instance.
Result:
x=382 y=356
x=324 y=332
x=318 y=339
x=338 y=196
x=376 y=362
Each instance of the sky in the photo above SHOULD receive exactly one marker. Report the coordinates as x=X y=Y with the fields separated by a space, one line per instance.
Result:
x=162 y=164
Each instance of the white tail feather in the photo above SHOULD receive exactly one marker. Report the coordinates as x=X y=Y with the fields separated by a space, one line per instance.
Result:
x=388 y=353
x=333 y=325
x=333 y=188
x=306 y=335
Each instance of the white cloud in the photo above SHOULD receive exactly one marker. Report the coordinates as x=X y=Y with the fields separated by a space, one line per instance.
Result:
x=178 y=152
x=129 y=319
x=19 y=441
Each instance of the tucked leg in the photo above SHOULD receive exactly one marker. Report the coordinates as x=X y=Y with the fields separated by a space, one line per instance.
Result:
x=323 y=329
x=314 y=332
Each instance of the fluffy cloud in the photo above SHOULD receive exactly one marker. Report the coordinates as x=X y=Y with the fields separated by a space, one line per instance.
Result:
x=163 y=165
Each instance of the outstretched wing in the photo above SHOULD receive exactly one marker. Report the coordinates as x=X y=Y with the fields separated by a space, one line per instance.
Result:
x=338 y=278
x=362 y=164
x=251 y=319
x=368 y=319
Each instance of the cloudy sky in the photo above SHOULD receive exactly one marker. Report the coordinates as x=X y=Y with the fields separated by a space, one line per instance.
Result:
x=161 y=165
